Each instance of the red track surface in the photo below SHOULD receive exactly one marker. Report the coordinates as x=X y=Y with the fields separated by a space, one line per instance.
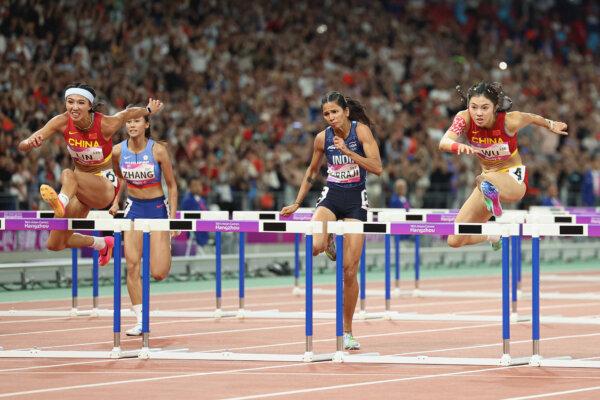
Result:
x=159 y=379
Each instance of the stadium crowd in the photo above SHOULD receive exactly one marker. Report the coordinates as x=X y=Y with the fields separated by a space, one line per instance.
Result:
x=242 y=83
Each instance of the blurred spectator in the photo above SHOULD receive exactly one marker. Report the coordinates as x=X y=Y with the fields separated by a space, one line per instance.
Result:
x=193 y=201
x=399 y=199
x=550 y=198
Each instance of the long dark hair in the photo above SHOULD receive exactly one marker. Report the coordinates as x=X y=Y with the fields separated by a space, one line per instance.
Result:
x=357 y=110
x=96 y=105
x=148 y=131
x=492 y=91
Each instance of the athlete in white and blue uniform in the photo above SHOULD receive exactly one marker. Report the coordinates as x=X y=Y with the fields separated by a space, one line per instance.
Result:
x=351 y=152
x=142 y=171
x=142 y=163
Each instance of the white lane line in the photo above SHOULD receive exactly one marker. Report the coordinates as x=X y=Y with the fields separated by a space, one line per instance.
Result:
x=140 y=380
x=361 y=384
x=553 y=394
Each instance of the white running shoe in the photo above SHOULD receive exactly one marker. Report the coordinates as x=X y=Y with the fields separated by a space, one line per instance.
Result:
x=135 y=331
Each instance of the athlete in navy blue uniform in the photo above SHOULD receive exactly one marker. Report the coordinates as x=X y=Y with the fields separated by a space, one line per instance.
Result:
x=351 y=152
x=141 y=162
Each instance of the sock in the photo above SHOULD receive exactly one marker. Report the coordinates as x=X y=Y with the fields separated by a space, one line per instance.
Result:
x=493 y=238
x=137 y=310
x=99 y=243
x=64 y=199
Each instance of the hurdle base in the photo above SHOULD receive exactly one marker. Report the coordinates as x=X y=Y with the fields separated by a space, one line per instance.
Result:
x=395 y=316
x=562 y=362
x=54 y=313
x=505 y=360
x=36 y=353
x=230 y=356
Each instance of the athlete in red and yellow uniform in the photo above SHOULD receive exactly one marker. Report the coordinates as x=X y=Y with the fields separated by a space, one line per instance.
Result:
x=92 y=183
x=491 y=134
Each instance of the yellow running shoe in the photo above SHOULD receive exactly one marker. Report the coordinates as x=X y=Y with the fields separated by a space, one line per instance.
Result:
x=49 y=196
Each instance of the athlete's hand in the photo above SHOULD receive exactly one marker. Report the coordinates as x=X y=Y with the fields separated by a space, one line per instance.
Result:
x=341 y=145
x=288 y=210
x=175 y=234
x=558 y=127
x=32 y=142
x=155 y=105
x=113 y=209
x=465 y=149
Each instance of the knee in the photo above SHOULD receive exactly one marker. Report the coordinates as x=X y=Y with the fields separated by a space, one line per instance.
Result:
x=133 y=270
x=55 y=245
x=349 y=276
x=159 y=276
x=66 y=175
x=455 y=241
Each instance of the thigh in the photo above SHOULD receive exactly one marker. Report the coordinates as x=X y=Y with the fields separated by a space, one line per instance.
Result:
x=322 y=214
x=510 y=189
x=133 y=247
x=160 y=251
x=93 y=190
x=353 y=245
x=473 y=210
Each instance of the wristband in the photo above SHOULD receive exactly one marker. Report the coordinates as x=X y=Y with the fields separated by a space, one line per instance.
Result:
x=149 y=110
x=454 y=148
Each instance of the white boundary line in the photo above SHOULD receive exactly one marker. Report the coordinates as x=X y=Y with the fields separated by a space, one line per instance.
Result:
x=552 y=394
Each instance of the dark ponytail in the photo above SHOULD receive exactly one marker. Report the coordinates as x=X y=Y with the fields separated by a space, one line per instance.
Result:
x=96 y=105
x=357 y=110
x=492 y=91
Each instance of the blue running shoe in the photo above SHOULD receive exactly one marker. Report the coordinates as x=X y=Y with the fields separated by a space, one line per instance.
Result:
x=491 y=197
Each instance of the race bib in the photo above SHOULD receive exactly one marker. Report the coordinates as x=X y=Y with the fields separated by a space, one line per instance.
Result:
x=343 y=173
x=139 y=174
x=87 y=156
x=518 y=173
x=494 y=152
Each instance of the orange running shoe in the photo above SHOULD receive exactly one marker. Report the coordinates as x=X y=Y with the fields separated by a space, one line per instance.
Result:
x=49 y=196
x=106 y=253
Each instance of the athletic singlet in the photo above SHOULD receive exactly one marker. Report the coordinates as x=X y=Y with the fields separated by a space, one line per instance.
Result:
x=492 y=144
x=88 y=148
x=342 y=171
x=140 y=170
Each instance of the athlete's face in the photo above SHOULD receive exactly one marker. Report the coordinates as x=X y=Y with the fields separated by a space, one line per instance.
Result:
x=482 y=111
x=334 y=114
x=136 y=127
x=78 y=107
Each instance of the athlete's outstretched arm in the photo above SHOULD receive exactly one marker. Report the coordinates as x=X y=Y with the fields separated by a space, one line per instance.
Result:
x=162 y=156
x=516 y=120
x=116 y=157
x=112 y=123
x=36 y=139
x=449 y=141
x=372 y=161
x=309 y=176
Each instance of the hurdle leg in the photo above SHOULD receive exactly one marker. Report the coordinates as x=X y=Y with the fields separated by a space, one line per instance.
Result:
x=308 y=353
x=218 y=274
x=116 y=351
x=397 y=263
x=241 y=273
x=535 y=301
x=74 y=281
x=339 y=296
x=514 y=274
x=417 y=260
x=505 y=360
x=363 y=280
x=95 y=277
x=146 y=290
x=388 y=296
x=519 y=258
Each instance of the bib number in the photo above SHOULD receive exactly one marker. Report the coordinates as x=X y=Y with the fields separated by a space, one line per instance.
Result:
x=364 y=200
x=110 y=175
x=518 y=173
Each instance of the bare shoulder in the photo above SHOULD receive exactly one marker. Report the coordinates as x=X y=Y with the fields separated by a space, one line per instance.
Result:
x=59 y=122
x=160 y=151
x=513 y=120
x=320 y=139
x=464 y=114
x=116 y=150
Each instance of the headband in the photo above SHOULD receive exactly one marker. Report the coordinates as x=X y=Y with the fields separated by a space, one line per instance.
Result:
x=82 y=92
